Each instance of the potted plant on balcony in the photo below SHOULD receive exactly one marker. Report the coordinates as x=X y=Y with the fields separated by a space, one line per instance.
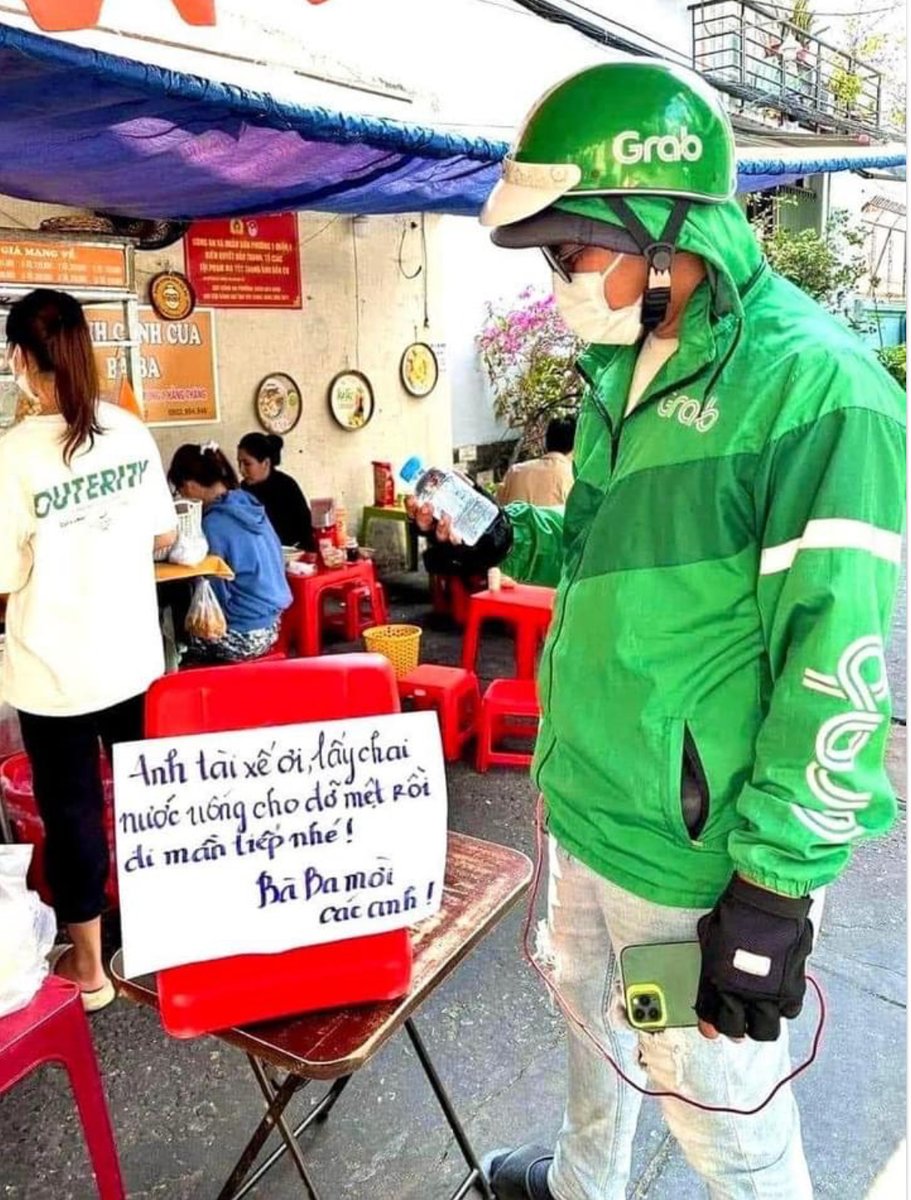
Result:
x=845 y=87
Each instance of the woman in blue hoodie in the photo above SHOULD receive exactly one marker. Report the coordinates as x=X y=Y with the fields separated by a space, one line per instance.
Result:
x=238 y=530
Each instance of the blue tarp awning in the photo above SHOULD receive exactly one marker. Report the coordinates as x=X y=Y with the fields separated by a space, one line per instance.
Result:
x=96 y=131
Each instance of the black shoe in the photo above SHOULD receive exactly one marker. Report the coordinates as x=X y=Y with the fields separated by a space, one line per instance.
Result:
x=519 y=1174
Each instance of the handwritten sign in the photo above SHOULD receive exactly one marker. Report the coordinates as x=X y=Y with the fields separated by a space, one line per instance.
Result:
x=263 y=840
x=176 y=360
x=48 y=263
x=245 y=262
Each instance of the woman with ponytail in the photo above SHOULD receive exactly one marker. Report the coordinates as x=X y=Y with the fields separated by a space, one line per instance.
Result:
x=84 y=503
x=258 y=456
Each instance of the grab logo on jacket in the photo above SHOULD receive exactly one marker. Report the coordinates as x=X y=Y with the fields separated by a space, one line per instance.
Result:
x=701 y=415
x=629 y=147
x=842 y=739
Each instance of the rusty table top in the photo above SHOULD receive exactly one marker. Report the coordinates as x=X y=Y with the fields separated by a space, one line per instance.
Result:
x=483 y=882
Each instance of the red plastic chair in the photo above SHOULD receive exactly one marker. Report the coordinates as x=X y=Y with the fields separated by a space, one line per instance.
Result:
x=202 y=997
x=509 y=709
x=53 y=1029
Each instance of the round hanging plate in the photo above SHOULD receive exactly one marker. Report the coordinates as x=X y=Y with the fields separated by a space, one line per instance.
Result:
x=419 y=369
x=171 y=295
x=278 y=403
x=351 y=399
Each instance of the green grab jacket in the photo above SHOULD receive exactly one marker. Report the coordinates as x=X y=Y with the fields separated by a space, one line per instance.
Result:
x=726 y=568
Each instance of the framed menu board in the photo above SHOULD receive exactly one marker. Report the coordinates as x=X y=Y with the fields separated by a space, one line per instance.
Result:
x=32 y=260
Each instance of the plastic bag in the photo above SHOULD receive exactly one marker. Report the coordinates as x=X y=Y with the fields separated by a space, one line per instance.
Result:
x=189 y=550
x=205 y=619
x=27 y=932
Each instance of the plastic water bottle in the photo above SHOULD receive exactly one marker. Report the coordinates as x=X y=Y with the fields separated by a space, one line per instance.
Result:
x=448 y=494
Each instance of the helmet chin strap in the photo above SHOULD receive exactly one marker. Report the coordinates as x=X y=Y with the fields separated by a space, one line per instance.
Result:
x=658 y=254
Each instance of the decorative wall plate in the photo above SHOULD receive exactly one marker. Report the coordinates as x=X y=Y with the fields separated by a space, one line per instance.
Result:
x=351 y=399
x=419 y=369
x=171 y=295
x=278 y=403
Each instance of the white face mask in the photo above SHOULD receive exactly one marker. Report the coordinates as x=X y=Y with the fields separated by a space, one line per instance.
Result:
x=17 y=366
x=585 y=309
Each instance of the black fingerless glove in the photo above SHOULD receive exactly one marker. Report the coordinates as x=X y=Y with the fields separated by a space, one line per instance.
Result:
x=442 y=558
x=755 y=945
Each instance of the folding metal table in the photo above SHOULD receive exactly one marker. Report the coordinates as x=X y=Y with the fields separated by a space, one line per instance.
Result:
x=483 y=882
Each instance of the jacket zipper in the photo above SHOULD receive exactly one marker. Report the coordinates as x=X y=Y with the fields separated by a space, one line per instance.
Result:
x=614 y=454
x=693 y=762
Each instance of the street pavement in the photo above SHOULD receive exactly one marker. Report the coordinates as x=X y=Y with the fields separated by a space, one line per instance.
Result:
x=183 y=1110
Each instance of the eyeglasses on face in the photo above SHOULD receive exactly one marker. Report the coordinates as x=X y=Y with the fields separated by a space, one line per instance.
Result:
x=561 y=258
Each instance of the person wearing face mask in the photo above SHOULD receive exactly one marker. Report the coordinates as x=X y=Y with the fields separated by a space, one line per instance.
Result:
x=714 y=699
x=84 y=503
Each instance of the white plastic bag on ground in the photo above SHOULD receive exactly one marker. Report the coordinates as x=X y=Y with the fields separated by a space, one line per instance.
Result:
x=27 y=932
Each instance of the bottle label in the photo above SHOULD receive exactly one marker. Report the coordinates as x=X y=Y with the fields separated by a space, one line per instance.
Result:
x=471 y=513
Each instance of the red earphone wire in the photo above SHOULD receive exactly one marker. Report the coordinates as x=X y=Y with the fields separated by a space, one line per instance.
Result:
x=573 y=1017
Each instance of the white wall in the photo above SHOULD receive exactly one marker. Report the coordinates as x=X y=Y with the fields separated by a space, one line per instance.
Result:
x=476 y=271
x=850 y=191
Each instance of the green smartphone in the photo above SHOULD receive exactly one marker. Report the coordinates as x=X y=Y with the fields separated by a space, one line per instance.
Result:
x=660 y=982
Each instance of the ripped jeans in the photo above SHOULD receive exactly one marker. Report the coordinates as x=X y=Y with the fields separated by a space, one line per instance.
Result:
x=739 y=1158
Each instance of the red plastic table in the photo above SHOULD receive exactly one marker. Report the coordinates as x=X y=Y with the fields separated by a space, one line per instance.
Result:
x=525 y=606
x=304 y=617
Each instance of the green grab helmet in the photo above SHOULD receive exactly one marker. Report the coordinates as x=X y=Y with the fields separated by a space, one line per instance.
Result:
x=624 y=128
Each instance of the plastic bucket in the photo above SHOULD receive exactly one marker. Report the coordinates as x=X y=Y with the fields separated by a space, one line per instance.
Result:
x=401 y=644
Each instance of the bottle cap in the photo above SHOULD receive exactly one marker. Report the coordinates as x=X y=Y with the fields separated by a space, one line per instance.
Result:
x=411 y=469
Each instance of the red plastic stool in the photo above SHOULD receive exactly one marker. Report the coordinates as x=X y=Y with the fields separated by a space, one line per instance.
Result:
x=454 y=694
x=449 y=594
x=508 y=708
x=52 y=1028
x=526 y=608
x=349 y=619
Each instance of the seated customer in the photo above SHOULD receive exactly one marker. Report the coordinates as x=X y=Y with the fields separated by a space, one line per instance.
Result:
x=258 y=456
x=238 y=531
x=544 y=481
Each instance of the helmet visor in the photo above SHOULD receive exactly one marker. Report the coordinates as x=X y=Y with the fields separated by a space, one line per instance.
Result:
x=553 y=231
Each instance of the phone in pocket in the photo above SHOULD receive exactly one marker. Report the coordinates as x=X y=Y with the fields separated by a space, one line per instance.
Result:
x=660 y=982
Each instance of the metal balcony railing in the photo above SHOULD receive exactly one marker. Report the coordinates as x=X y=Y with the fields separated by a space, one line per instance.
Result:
x=755 y=54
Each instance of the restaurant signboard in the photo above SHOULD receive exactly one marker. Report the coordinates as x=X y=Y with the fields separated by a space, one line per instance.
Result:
x=177 y=363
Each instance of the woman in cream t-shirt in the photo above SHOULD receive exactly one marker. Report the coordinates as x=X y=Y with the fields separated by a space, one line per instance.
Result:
x=84 y=502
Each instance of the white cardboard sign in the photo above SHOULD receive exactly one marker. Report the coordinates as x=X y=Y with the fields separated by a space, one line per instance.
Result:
x=263 y=840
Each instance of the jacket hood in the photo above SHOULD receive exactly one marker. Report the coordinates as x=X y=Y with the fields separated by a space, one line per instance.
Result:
x=719 y=233
x=240 y=508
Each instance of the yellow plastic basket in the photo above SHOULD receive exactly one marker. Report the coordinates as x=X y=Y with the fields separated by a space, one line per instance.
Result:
x=401 y=644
